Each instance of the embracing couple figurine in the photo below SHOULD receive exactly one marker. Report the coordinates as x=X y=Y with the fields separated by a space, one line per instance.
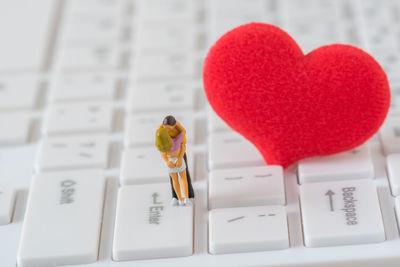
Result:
x=171 y=142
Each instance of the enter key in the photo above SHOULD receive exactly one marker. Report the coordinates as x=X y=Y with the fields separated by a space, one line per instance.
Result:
x=341 y=213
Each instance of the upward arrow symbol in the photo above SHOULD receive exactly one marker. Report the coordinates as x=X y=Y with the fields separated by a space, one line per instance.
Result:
x=330 y=193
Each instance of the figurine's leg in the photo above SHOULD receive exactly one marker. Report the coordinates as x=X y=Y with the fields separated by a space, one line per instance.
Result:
x=173 y=194
x=184 y=183
x=189 y=180
x=175 y=183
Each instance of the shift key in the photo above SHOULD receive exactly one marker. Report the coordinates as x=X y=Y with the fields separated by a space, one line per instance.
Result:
x=63 y=219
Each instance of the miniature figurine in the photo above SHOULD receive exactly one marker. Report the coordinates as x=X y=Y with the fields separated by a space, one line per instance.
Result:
x=171 y=142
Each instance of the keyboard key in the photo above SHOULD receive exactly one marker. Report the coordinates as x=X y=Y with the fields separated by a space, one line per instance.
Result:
x=25 y=28
x=174 y=65
x=225 y=9
x=393 y=169
x=380 y=35
x=91 y=26
x=219 y=27
x=395 y=99
x=18 y=92
x=390 y=135
x=397 y=209
x=389 y=59
x=353 y=164
x=229 y=149
x=59 y=153
x=64 y=213
x=215 y=123
x=305 y=30
x=87 y=56
x=141 y=128
x=16 y=128
x=79 y=118
x=166 y=10
x=83 y=87
x=243 y=187
x=142 y=165
x=98 y=7
x=7 y=201
x=341 y=213
x=16 y=166
x=248 y=229
x=305 y=7
x=374 y=11
x=394 y=111
x=147 y=226
x=163 y=96
x=166 y=36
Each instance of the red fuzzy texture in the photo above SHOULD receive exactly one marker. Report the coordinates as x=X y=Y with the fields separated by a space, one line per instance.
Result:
x=290 y=105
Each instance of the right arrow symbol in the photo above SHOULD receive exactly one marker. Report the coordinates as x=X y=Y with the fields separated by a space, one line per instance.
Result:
x=330 y=193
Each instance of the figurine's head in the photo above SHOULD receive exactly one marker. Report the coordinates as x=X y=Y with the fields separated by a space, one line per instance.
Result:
x=169 y=123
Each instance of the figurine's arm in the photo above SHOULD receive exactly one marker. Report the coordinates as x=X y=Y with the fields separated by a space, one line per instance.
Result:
x=180 y=156
x=167 y=161
x=180 y=128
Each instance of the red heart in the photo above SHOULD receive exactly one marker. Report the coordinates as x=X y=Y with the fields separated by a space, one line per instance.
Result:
x=290 y=105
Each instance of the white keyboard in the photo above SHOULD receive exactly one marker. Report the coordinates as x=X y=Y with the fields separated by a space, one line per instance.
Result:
x=84 y=85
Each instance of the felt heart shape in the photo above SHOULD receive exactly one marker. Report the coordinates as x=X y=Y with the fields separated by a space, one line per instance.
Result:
x=290 y=105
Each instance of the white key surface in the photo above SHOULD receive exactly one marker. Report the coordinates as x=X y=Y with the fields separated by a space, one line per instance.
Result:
x=243 y=187
x=341 y=213
x=18 y=92
x=389 y=60
x=394 y=111
x=353 y=164
x=72 y=152
x=147 y=226
x=168 y=65
x=16 y=166
x=64 y=212
x=79 y=118
x=166 y=36
x=156 y=10
x=7 y=201
x=16 y=126
x=215 y=123
x=140 y=128
x=90 y=56
x=390 y=135
x=229 y=149
x=397 y=209
x=77 y=87
x=77 y=7
x=91 y=26
x=233 y=8
x=24 y=46
x=247 y=229
x=142 y=165
x=162 y=96
x=393 y=171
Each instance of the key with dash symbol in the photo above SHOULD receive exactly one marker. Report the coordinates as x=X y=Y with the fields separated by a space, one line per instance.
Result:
x=235 y=219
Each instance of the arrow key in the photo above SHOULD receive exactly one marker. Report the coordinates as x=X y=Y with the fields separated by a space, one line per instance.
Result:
x=341 y=213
